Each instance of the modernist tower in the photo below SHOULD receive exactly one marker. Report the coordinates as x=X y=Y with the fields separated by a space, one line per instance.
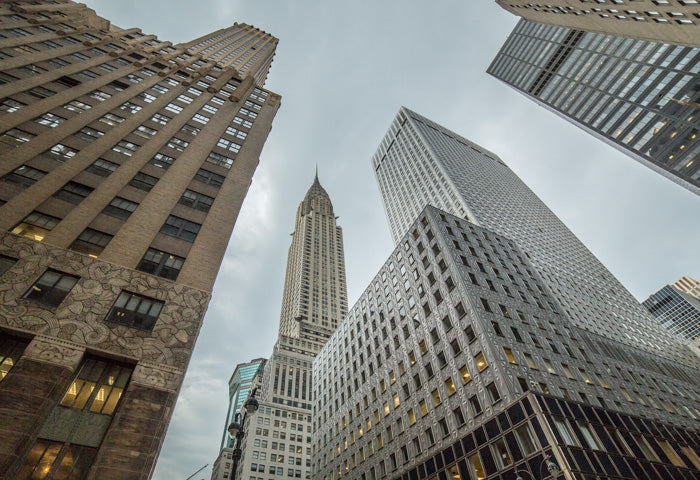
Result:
x=670 y=21
x=641 y=97
x=420 y=162
x=458 y=363
x=239 y=387
x=676 y=310
x=314 y=301
x=125 y=163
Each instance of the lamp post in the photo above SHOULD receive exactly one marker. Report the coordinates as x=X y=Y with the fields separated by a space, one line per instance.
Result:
x=236 y=428
x=551 y=466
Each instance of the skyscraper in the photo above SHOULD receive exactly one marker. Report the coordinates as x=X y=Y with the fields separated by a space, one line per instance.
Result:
x=239 y=387
x=688 y=285
x=640 y=97
x=314 y=301
x=420 y=162
x=443 y=369
x=658 y=21
x=676 y=310
x=125 y=163
x=492 y=343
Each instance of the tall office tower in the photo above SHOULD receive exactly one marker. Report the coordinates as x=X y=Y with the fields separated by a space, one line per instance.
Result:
x=239 y=387
x=125 y=163
x=420 y=162
x=640 y=97
x=457 y=362
x=676 y=310
x=673 y=21
x=314 y=301
x=689 y=286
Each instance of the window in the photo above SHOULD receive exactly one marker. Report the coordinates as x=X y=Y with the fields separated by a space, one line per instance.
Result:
x=120 y=208
x=111 y=119
x=196 y=200
x=480 y=361
x=210 y=178
x=127 y=148
x=565 y=432
x=180 y=228
x=178 y=144
x=102 y=167
x=466 y=376
x=144 y=132
x=36 y=225
x=135 y=311
x=49 y=119
x=160 y=263
x=476 y=405
x=42 y=460
x=143 y=181
x=73 y=192
x=526 y=440
x=76 y=106
x=476 y=467
x=200 y=118
x=160 y=118
x=228 y=145
x=10 y=351
x=130 y=107
x=51 y=288
x=6 y=263
x=503 y=458
x=9 y=105
x=97 y=387
x=91 y=242
x=510 y=356
x=162 y=161
x=24 y=176
x=493 y=392
x=220 y=160
x=17 y=135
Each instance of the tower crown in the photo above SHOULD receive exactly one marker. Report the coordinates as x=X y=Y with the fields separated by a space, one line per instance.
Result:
x=315 y=191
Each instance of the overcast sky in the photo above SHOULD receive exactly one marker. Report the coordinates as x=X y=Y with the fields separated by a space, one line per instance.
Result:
x=343 y=69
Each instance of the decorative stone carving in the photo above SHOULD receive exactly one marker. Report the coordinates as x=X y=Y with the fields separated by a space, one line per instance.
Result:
x=54 y=351
x=158 y=376
x=80 y=318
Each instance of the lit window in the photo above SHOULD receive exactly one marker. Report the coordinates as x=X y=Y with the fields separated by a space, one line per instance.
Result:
x=10 y=351
x=36 y=225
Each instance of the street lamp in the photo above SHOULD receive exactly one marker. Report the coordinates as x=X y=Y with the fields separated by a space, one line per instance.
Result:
x=236 y=428
x=547 y=460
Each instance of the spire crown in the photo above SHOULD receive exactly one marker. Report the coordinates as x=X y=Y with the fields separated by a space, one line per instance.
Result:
x=316 y=190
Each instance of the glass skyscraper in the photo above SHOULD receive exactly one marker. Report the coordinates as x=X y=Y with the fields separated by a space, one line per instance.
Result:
x=641 y=97
x=677 y=311
x=239 y=387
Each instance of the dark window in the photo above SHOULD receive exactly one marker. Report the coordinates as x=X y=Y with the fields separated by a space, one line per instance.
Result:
x=493 y=392
x=476 y=405
x=73 y=192
x=135 y=311
x=160 y=263
x=91 y=242
x=6 y=263
x=24 y=176
x=10 y=351
x=143 y=181
x=196 y=200
x=180 y=228
x=102 y=167
x=120 y=207
x=51 y=288
x=210 y=178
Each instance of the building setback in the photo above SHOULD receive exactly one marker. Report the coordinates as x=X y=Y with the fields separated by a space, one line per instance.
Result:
x=125 y=163
x=638 y=96
x=668 y=21
x=419 y=162
x=439 y=372
x=277 y=443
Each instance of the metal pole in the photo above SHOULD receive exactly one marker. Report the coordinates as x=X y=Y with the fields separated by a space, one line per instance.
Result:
x=195 y=473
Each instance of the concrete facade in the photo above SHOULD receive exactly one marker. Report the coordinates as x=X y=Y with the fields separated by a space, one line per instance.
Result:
x=668 y=21
x=439 y=363
x=125 y=162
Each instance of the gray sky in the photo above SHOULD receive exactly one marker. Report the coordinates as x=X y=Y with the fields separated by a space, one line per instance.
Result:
x=343 y=69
